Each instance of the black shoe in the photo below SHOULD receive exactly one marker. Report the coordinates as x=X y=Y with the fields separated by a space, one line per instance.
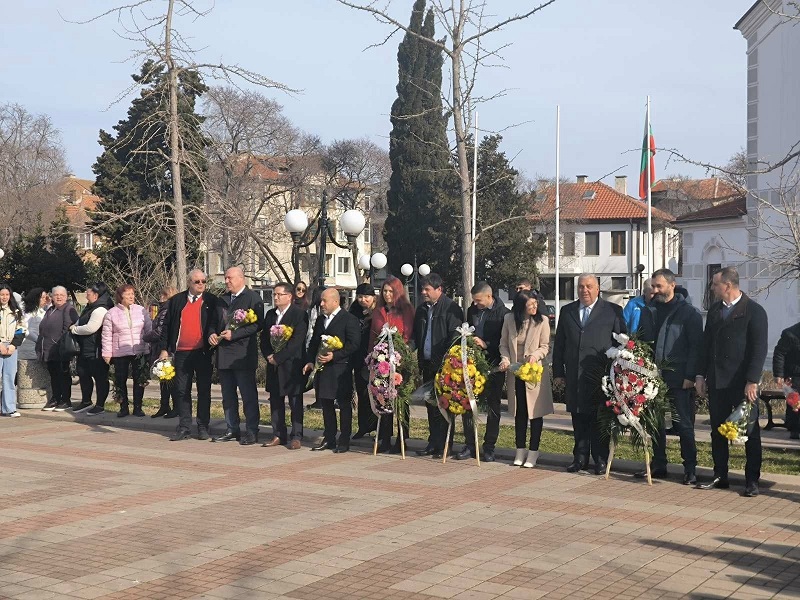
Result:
x=341 y=449
x=600 y=467
x=138 y=412
x=466 y=453
x=428 y=451
x=436 y=454
x=76 y=408
x=359 y=434
x=171 y=414
x=123 y=411
x=655 y=474
x=718 y=483
x=314 y=406
x=50 y=406
x=202 y=433
x=63 y=406
x=160 y=413
x=689 y=478
x=228 y=436
x=751 y=490
x=323 y=446
x=180 y=435
x=395 y=449
x=488 y=455
x=95 y=410
x=249 y=438
x=385 y=446
x=576 y=466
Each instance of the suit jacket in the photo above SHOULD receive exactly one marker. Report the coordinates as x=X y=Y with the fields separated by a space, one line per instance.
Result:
x=242 y=351
x=734 y=349
x=493 y=318
x=579 y=353
x=336 y=377
x=171 y=327
x=786 y=356
x=286 y=377
x=446 y=318
x=679 y=341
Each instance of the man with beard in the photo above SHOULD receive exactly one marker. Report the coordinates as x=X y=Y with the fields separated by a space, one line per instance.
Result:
x=675 y=329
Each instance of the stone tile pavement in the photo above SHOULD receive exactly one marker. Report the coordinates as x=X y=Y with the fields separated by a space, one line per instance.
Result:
x=92 y=511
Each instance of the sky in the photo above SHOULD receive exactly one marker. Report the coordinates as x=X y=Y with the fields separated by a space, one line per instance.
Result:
x=596 y=59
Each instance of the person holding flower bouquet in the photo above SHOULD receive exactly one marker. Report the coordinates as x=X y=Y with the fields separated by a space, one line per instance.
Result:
x=525 y=340
x=336 y=336
x=283 y=346
x=732 y=360
x=786 y=370
x=363 y=309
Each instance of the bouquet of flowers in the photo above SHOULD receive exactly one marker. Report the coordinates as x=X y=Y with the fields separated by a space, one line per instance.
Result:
x=792 y=398
x=240 y=318
x=279 y=336
x=329 y=344
x=736 y=426
x=391 y=372
x=528 y=372
x=636 y=395
x=462 y=376
x=163 y=369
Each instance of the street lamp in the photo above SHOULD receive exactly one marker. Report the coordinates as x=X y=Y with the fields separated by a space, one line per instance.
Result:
x=369 y=264
x=352 y=223
x=408 y=271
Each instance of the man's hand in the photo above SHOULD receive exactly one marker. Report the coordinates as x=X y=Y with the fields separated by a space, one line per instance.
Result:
x=307 y=368
x=480 y=342
x=163 y=354
x=688 y=384
x=271 y=359
x=11 y=349
x=700 y=386
x=213 y=339
x=780 y=381
x=560 y=381
x=226 y=335
x=326 y=358
x=3 y=351
x=751 y=392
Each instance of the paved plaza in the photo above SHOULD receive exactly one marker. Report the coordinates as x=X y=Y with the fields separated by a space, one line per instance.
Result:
x=92 y=511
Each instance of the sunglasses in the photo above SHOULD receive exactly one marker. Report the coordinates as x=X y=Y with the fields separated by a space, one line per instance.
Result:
x=300 y=289
x=197 y=281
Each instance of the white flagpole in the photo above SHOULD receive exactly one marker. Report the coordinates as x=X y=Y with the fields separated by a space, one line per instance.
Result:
x=650 y=250
x=474 y=203
x=558 y=211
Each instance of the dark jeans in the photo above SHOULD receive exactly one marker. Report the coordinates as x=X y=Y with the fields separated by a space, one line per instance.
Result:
x=166 y=393
x=190 y=364
x=123 y=367
x=587 y=439
x=60 y=381
x=277 y=405
x=521 y=420
x=329 y=421
x=494 y=390
x=93 y=374
x=367 y=420
x=683 y=427
x=437 y=425
x=792 y=419
x=245 y=381
x=721 y=403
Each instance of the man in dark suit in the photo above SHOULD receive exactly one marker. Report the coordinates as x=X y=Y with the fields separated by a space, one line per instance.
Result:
x=337 y=373
x=675 y=329
x=285 y=367
x=584 y=333
x=237 y=358
x=786 y=370
x=435 y=324
x=732 y=361
x=486 y=314
x=191 y=317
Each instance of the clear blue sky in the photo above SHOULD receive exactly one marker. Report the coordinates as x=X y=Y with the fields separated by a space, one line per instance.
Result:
x=598 y=60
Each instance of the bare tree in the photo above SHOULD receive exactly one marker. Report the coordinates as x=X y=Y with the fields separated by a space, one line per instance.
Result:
x=32 y=164
x=466 y=23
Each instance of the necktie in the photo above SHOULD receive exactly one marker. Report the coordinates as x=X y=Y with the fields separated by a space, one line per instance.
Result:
x=192 y=298
x=586 y=311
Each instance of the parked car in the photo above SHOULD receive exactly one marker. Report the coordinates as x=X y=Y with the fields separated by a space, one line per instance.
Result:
x=550 y=311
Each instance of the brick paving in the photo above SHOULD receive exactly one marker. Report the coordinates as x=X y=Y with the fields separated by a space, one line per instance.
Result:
x=93 y=511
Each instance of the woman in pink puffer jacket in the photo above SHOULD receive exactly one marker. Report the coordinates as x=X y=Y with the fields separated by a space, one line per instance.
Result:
x=124 y=329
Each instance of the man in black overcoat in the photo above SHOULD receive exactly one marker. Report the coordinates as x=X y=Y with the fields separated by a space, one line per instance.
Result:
x=584 y=333
x=435 y=324
x=732 y=362
x=786 y=370
x=237 y=358
x=336 y=374
x=285 y=367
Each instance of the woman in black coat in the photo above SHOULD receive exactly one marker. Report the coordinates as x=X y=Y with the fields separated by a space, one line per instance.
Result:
x=153 y=339
x=55 y=323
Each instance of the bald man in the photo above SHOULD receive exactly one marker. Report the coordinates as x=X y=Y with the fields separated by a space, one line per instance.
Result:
x=237 y=358
x=335 y=379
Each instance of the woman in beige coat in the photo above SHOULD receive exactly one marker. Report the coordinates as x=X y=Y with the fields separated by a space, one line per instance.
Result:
x=526 y=338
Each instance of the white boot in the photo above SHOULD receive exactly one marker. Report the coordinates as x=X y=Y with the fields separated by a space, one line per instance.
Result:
x=520 y=457
x=530 y=462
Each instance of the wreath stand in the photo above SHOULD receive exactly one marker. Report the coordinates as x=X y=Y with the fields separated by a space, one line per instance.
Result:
x=451 y=425
x=611 y=448
x=400 y=431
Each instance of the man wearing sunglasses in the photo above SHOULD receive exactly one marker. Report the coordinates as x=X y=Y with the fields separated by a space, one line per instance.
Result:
x=190 y=319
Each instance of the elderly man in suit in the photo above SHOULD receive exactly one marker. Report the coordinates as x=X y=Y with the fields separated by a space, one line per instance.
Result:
x=335 y=378
x=285 y=367
x=584 y=333
x=237 y=358
x=190 y=319
x=732 y=361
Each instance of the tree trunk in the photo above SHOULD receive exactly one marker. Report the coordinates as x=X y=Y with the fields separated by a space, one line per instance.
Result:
x=463 y=167
x=174 y=155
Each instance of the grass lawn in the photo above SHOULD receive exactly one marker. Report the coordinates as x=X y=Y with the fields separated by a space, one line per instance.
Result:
x=782 y=461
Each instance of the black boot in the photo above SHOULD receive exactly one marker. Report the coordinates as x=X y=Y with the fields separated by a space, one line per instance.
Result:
x=162 y=410
x=123 y=410
x=137 y=409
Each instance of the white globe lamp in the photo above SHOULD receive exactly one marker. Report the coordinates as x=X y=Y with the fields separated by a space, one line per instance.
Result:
x=407 y=270
x=2 y=254
x=296 y=221
x=363 y=262
x=378 y=260
x=352 y=223
x=424 y=270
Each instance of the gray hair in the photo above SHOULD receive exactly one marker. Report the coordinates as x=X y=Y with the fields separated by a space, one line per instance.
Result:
x=589 y=276
x=59 y=288
x=647 y=284
x=196 y=270
x=729 y=275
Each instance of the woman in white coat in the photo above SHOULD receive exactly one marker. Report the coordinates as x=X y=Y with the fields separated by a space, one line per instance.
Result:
x=526 y=338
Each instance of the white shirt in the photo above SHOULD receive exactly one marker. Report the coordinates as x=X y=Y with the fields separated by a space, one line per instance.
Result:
x=279 y=314
x=584 y=310
x=330 y=317
x=733 y=303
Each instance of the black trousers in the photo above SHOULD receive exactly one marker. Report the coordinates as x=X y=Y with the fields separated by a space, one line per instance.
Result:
x=93 y=374
x=245 y=381
x=188 y=365
x=277 y=406
x=329 y=421
x=721 y=403
x=60 y=381
x=166 y=394
x=683 y=426
x=587 y=439
x=494 y=390
x=367 y=420
x=437 y=425
x=124 y=366
x=792 y=419
x=521 y=420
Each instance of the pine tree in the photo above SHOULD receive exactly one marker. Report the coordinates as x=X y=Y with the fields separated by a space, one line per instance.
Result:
x=422 y=220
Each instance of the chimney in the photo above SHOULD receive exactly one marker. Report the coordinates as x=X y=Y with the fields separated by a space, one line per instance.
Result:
x=621 y=184
x=582 y=178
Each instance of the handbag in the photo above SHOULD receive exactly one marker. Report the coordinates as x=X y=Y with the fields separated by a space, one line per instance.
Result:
x=68 y=346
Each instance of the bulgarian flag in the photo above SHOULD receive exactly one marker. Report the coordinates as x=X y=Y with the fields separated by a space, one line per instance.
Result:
x=648 y=147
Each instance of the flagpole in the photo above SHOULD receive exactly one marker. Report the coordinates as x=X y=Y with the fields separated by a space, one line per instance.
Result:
x=474 y=203
x=650 y=250
x=558 y=211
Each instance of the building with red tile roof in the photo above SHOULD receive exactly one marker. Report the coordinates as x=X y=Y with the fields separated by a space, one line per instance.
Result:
x=682 y=196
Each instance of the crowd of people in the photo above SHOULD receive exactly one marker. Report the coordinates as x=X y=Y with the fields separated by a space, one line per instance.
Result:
x=201 y=331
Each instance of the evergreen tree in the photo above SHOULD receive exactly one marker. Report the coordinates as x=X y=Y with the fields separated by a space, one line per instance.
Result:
x=422 y=220
x=134 y=179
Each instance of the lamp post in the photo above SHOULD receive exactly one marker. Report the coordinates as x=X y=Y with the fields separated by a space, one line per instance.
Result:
x=415 y=272
x=296 y=222
x=370 y=264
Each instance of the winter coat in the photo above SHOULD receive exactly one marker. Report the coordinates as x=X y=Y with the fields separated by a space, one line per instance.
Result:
x=12 y=326
x=402 y=320
x=55 y=323
x=539 y=397
x=124 y=331
x=90 y=324
x=786 y=356
x=27 y=351
x=492 y=319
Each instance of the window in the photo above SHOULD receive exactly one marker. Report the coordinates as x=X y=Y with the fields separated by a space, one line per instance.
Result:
x=619 y=283
x=618 y=244
x=592 y=244
x=569 y=243
x=262 y=262
x=86 y=240
x=328 y=265
x=343 y=264
x=368 y=233
x=566 y=288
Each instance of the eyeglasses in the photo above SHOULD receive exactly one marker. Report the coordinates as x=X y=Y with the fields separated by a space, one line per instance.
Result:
x=281 y=294
x=300 y=289
x=520 y=288
x=197 y=281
